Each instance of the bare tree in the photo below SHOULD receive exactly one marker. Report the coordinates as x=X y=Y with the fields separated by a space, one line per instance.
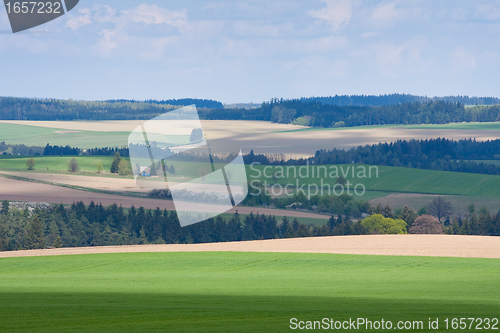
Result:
x=439 y=208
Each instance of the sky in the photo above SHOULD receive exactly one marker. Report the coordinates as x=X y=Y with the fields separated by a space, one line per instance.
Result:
x=252 y=51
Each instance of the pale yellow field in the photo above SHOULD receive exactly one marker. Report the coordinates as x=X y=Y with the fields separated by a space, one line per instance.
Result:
x=403 y=245
x=226 y=126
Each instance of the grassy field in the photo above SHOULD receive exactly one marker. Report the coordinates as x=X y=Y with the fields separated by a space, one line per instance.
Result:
x=55 y=163
x=238 y=292
x=378 y=181
x=40 y=136
x=389 y=180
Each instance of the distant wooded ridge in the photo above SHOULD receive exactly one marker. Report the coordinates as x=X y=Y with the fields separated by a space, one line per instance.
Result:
x=392 y=99
x=200 y=103
x=307 y=111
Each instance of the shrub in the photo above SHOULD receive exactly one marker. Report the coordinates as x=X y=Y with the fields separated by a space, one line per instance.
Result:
x=99 y=167
x=30 y=163
x=73 y=165
x=426 y=224
x=378 y=224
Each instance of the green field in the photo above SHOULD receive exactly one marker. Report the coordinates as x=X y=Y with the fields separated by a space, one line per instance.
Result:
x=238 y=292
x=55 y=163
x=40 y=136
x=389 y=180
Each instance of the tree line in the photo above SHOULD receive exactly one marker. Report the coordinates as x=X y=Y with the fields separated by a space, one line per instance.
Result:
x=431 y=154
x=392 y=99
x=12 y=108
x=19 y=149
x=200 y=103
x=315 y=113
x=311 y=112
x=95 y=225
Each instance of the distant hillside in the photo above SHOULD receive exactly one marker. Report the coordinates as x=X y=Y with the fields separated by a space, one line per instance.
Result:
x=392 y=99
x=200 y=103
x=303 y=111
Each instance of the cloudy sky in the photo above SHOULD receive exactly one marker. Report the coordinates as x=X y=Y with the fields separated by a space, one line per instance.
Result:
x=252 y=51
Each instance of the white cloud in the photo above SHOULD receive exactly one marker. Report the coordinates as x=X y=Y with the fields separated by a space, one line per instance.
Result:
x=337 y=13
x=154 y=14
x=77 y=22
x=461 y=60
x=397 y=59
x=387 y=14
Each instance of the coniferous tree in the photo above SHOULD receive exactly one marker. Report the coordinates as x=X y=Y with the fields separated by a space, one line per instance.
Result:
x=115 y=166
x=34 y=238
x=4 y=236
x=408 y=215
x=5 y=207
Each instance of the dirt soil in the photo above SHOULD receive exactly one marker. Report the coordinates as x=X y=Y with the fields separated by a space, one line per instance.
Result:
x=404 y=245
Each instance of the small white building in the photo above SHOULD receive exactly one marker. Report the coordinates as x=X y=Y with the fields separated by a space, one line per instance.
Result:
x=145 y=171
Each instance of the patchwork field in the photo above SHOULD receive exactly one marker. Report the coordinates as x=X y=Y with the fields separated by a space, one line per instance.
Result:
x=15 y=190
x=239 y=291
x=382 y=179
x=394 y=186
x=262 y=137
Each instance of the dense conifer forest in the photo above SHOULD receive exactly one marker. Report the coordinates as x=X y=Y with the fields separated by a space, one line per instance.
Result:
x=95 y=225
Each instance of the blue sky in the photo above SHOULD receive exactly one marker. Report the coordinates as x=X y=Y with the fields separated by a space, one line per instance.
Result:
x=252 y=51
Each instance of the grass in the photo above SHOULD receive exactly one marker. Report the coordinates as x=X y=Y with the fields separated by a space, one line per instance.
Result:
x=237 y=292
x=40 y=136
x=55 y=163
x=389 y=180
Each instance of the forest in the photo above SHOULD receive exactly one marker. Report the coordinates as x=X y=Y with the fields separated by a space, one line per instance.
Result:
x=300 y=111
x=95 y=225
x=392 y=99
x=200 y=103
x=317 y=114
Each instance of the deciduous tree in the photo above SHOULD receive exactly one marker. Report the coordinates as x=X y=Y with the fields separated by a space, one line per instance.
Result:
x=439 y=208
x=30 y=163
x=426 y=224
x=378 y=224
x=73 y=165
